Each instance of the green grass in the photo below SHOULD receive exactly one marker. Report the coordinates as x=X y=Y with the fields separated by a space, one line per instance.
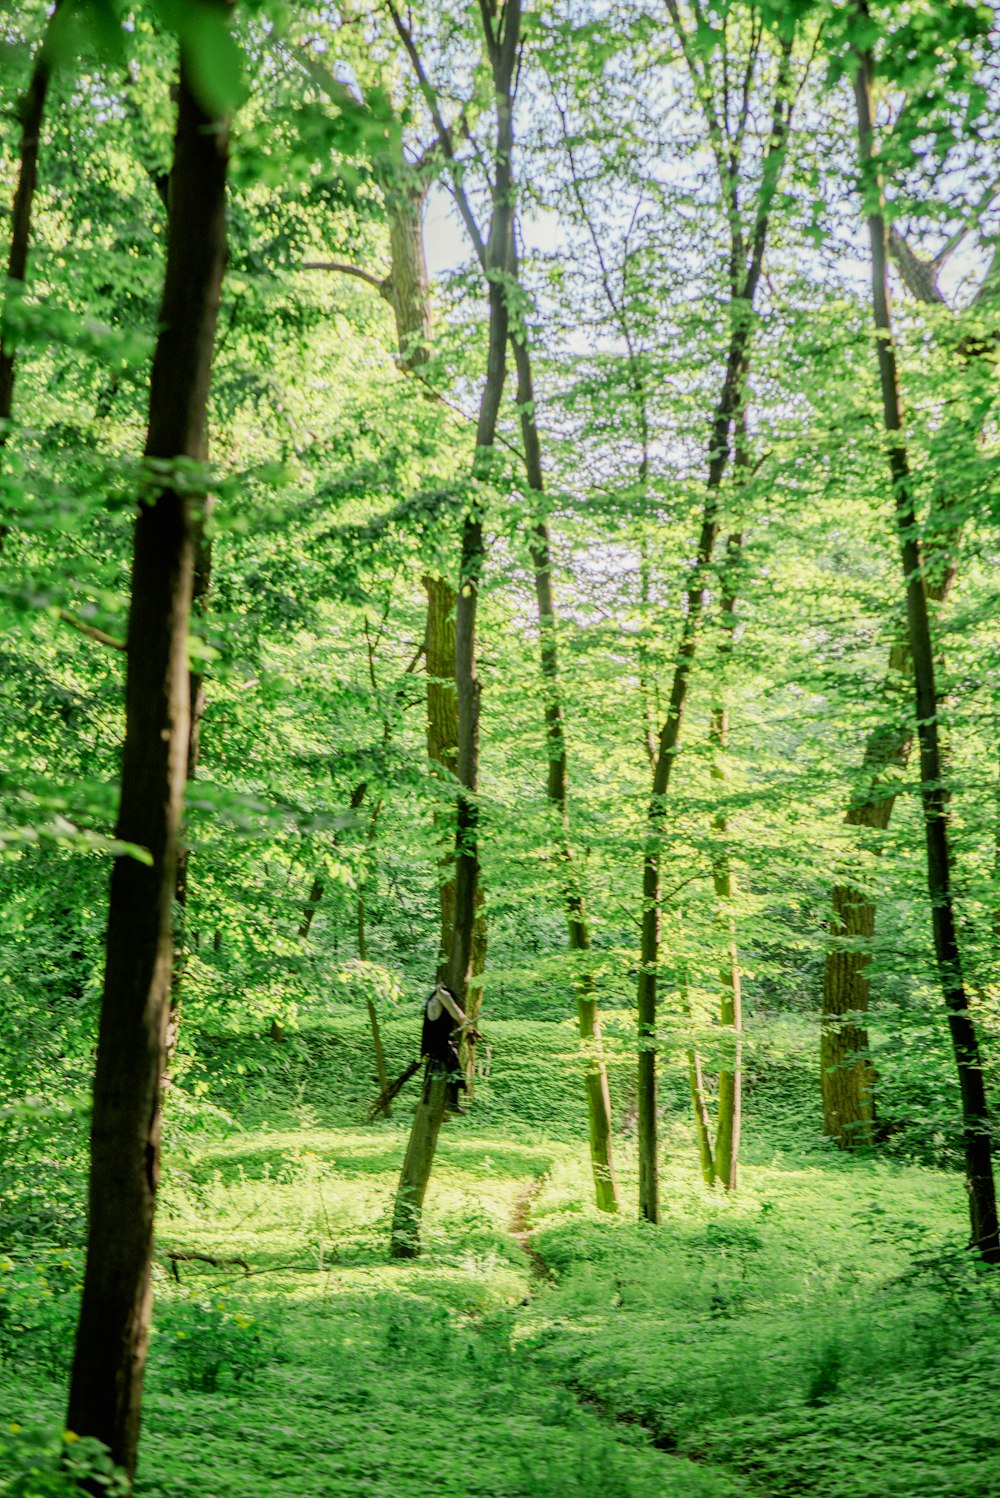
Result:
x=820 y=1333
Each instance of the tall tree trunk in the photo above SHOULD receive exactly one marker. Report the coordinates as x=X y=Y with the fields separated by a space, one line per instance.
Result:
x=978 y=1153
x=31 y=113
x=846 y=1072
x=730 y=1114
x=409 y=295
x=110 y=1353
x=409 y=288
x=744 y=283
x=588 y=1014
x=383 y=1076
x=503 y=49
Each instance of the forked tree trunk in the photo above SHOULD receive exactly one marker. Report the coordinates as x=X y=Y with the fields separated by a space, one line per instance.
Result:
x=408 y=291
x=409 y=295
x=588 y=1014
x=110 y=1352
x=975 y=1116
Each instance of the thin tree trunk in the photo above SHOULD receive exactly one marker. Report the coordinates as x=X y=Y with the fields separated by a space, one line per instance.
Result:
x=978 y=1153
x=196 y=708
x=110 y=1353
x=317 y=887
x=383 y=1076
x=31 y=113
x=311 y=906
x=503 y=51
x=847 y=1075
x=409 y=294
x=702 y=1123
x=588 y=1014
x=730 y=401
x=730 y=1113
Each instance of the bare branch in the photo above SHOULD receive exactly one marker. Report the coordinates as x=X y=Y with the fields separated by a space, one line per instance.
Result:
x=944 y=254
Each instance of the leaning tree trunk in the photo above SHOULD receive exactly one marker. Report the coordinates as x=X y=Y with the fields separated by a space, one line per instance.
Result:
x=503 y=52
x=110 y=1353
x=588 y=1014
x=975 y=1116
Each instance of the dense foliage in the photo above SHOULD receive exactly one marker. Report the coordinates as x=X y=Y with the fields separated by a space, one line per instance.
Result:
x=693 y=463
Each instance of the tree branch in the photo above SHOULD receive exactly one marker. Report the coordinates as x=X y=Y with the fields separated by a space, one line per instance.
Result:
x=91 y=631
x=446 y=137
x=949 y=247
x=382 y=284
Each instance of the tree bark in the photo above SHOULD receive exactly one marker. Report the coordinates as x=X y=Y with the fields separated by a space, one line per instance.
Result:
x=409 y=288
x=975 y=1116
x=201 y=581
x=110 y=1353
x=702 y=1122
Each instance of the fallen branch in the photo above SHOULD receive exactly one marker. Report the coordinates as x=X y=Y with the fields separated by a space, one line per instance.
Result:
x=177 y=1257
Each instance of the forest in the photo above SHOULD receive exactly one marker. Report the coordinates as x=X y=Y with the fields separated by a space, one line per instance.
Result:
x=499 y=772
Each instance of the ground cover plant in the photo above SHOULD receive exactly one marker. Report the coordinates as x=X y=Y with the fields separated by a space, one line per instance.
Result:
x=734 y=1349
x=498 y=776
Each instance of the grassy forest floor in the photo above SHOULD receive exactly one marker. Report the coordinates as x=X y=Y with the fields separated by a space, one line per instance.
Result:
x=820 y=1333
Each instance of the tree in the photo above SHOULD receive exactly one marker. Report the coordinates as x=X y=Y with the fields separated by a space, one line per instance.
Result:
x=933 y=788
x=503 y=47
x=845 y=1068
x=746 y=260
x=110 y=1354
